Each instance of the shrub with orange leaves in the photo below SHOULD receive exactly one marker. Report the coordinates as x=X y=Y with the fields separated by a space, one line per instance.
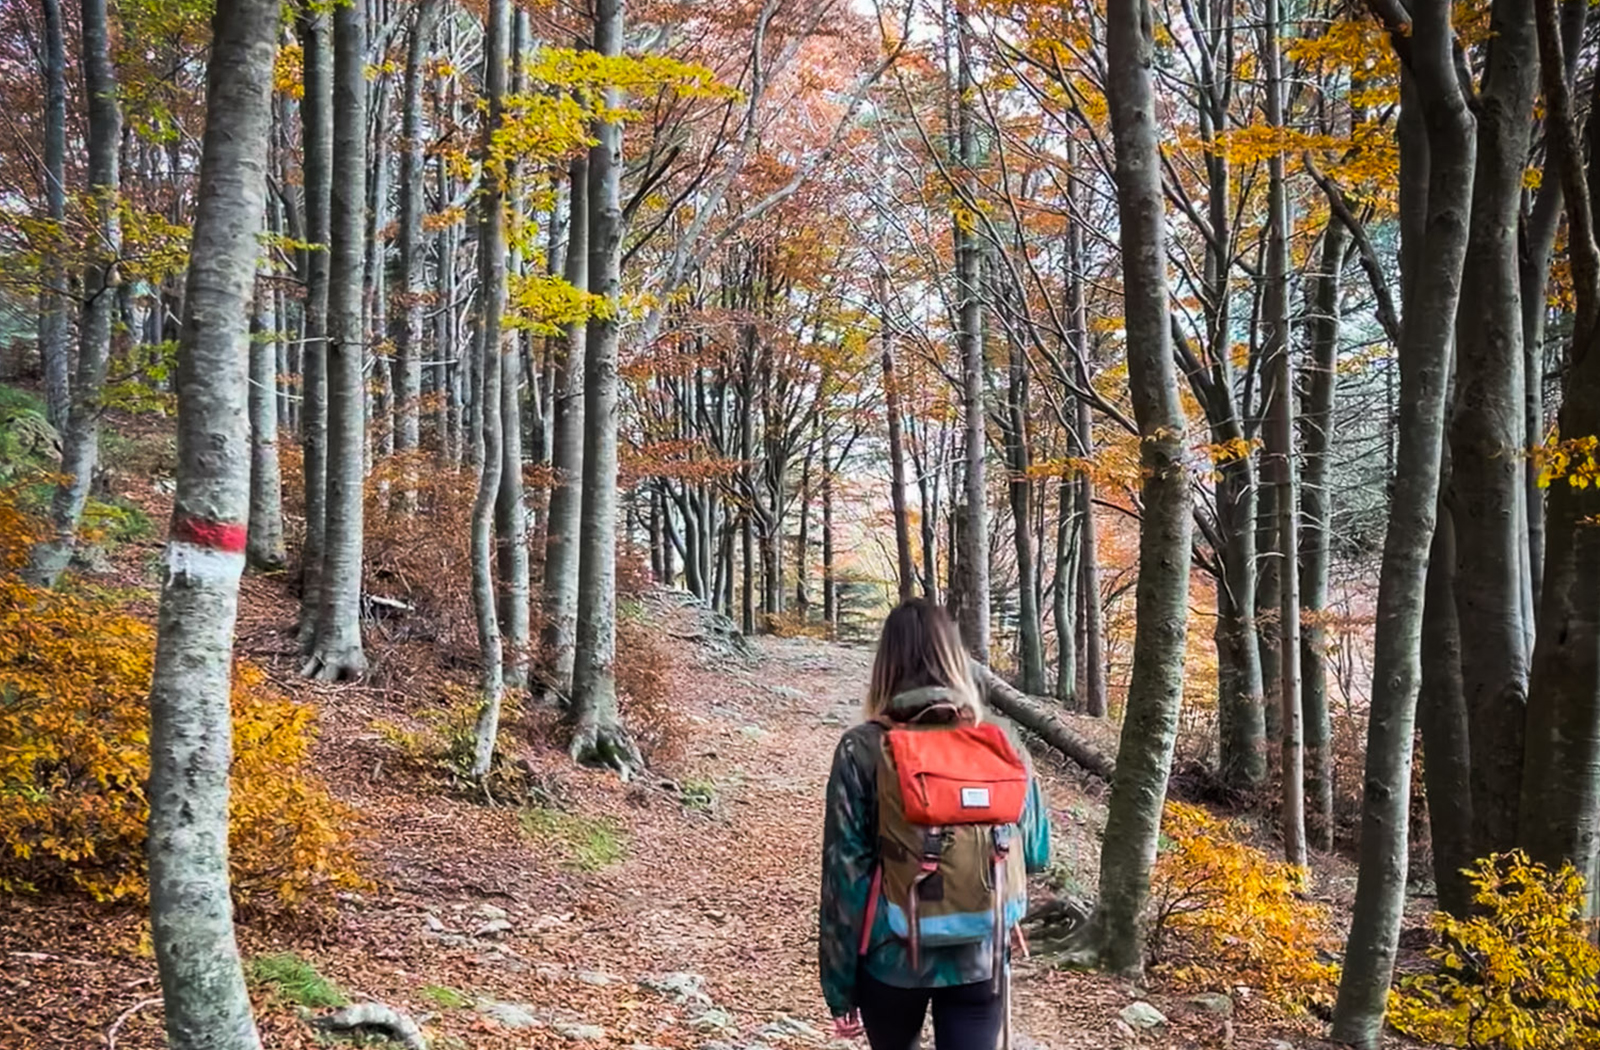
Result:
x=74 y=754
x=1227 y=915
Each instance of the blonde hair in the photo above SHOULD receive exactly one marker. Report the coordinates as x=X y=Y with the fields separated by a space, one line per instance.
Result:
x=920 y=646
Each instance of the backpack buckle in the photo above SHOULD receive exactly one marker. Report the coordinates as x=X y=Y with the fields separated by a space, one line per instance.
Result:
x=932 y=848
x=1001 y=837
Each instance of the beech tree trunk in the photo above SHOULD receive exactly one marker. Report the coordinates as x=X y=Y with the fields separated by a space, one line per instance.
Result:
x=1316 y=509
x=1431 y=300
x=897 y=457
x=337 y=654
x=1155 y=692
x=55 y=353
x=412 y=277
x=1063 y=605
x=974 y=550
x=80 y=441
x=265 y=550
x=491 y=305
x=207 y=1006
x=1560 y=801
x=564 y=525
x=1487 y=436
x=598 y=735
x=1030 y=638
x=316 y=136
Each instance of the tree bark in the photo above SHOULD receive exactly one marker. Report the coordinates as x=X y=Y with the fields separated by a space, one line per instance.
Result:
x=316 y=136
x=1035 y=715
x=1030 y=635
x=265 y=550
x=412 y=277
x=598 y=735
x=1280 y=455
x=337 y=654
x=974 y=551
x=80 y=442
x=1561 y=786
x=1316 y=509
x=1155 y=692
x=1486 y=436
x=565 y=522
x=54 y=349
x=1064 y=606
x=207 y=1006
x=1432 y=297
x=897 y=457
x=491 y=305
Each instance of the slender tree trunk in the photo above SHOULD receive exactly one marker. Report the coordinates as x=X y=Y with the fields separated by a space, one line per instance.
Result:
x=316 y=134
x=491 y=305
x=54 y=350
x=565 y=522
x=80 y=443
x=598 y=736
x=412 y=277
x=1316 y=508
x=207 y=1006
x=1424 y=353
x=1155 y=692
x=1029 y=629
x=802 y=546
x=897 y=457
x=1280 y=448
x=1063 y=607
x=975 y=533
x=337 y=654
x=1486 y=436
x=1093 y=657
x=265 y=551
x=379 y=422
x=511 y=509
x=830 y=587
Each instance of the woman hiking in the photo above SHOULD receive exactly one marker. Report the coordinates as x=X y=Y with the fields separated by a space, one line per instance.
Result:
x=934 y=820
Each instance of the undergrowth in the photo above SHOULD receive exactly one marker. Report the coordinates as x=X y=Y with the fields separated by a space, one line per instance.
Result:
x=296 y=980
x=1226 y=915
x=75 y=671
x=588 y=843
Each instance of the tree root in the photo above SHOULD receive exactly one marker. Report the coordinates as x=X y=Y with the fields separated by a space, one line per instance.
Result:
x=375 y=1017
x=324 y=666
x=605 y=745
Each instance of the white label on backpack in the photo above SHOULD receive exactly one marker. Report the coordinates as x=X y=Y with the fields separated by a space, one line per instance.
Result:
x=974 y=798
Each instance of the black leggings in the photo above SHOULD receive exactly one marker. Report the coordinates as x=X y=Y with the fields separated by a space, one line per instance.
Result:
x=965 y=1016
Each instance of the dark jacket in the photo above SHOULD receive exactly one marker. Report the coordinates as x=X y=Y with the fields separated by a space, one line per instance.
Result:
x=849 y=853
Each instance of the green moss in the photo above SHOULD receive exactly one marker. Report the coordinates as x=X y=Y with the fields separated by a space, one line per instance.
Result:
x=589 y=843
x=296 y=980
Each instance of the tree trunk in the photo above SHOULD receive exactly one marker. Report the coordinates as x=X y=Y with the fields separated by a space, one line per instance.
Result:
x=1020 y=487
x=265 y=551
x=1063 y=607
x=1034 y=714
x=207 y=1006
x=54 y=350
x=1155 y=693
x=830 y=588
x=337 y=654
x=897 y=457
x=974 y=551
x=316 y=135
x=80 y=442
x=1316 y=507
x=1280 y=450
x=1486 y=436
x=379 y=408
x=1561 y=787
x=1424 y=353
x=412 y=277
x=491 y=305
x=511 y=509
x=598 y=736
x=802 y=546
x=565 y=522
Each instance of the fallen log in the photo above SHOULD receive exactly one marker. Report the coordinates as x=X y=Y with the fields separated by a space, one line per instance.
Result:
x=1035 y=715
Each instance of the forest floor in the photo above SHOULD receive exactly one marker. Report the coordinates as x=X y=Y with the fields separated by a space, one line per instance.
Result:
x=675 y=911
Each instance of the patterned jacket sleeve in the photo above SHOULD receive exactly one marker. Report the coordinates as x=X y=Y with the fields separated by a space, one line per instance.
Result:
x=848 y=853
x=1036 y=829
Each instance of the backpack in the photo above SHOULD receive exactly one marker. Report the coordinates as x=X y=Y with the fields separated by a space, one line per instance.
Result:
x=950 y=799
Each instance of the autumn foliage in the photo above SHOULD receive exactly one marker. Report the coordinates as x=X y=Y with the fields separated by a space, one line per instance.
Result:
x=1521 y=974
x=1227 y=915
x=74 y=737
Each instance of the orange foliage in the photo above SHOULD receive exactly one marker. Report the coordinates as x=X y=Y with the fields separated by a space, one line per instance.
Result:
x=74 y=754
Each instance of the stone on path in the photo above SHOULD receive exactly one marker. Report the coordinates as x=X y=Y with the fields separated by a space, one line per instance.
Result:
x=581 y=1033
x=511 y=1015
x=1142 y=1016
x=1212 y=1003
